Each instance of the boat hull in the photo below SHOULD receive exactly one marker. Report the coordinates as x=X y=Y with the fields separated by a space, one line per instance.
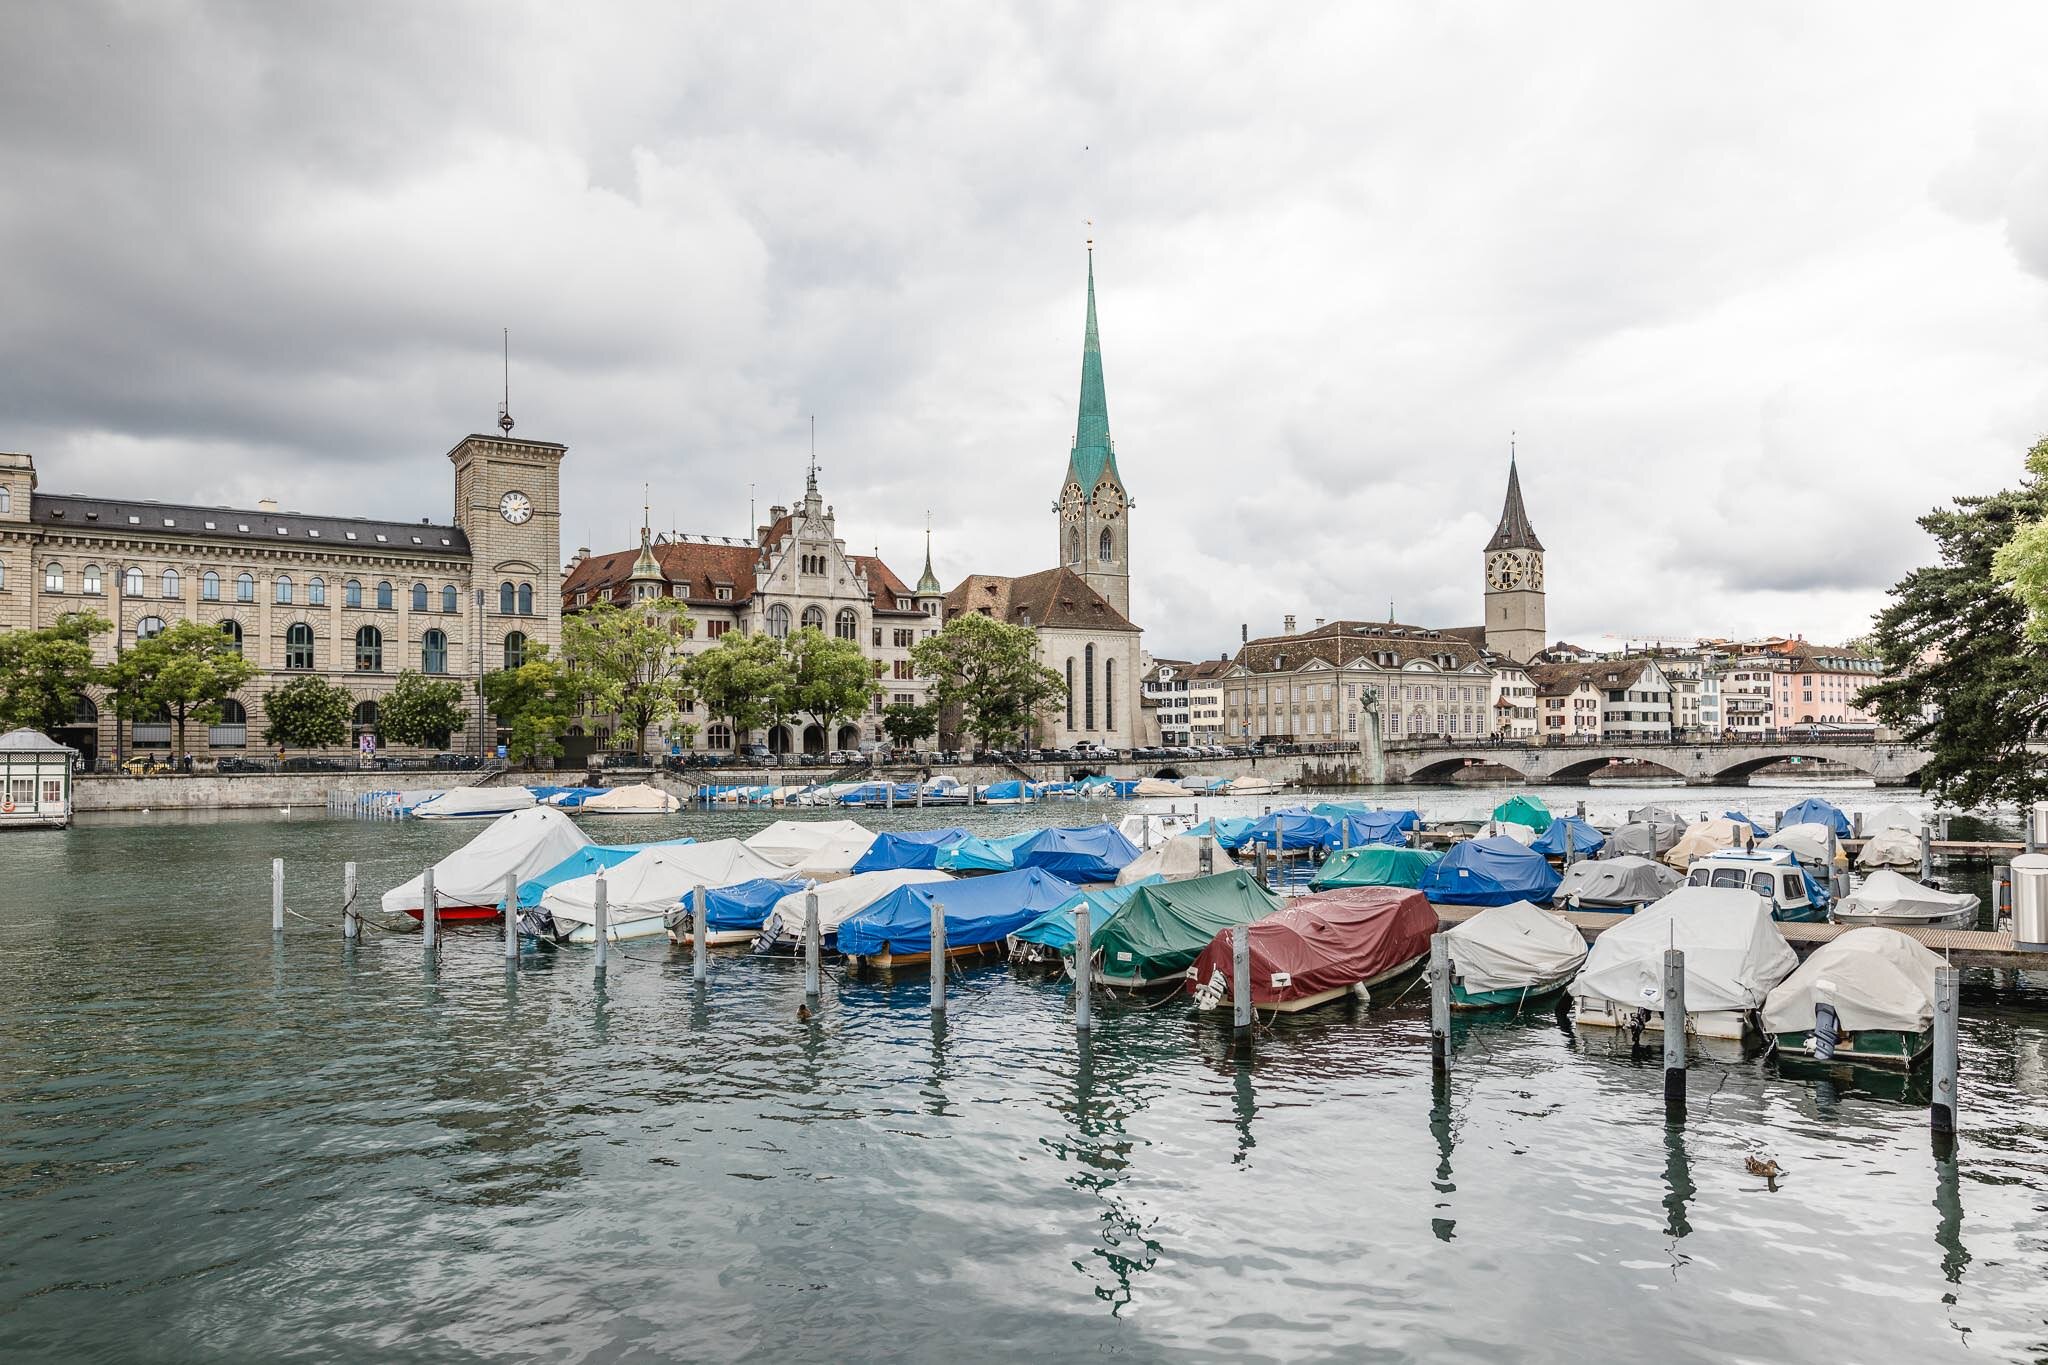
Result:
x=1479 y=1002
x=626 y=928
x=1594 y=1012
x=1960 y=919
x=885 y=962
x=453 y=914
x=1890 y=1049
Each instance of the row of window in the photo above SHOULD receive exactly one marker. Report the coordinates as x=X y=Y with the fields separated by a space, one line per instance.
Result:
x=298 y=645
x=846 y=625
x=514 y=599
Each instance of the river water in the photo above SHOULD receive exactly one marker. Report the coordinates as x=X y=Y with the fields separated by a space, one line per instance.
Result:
x=215 y=1145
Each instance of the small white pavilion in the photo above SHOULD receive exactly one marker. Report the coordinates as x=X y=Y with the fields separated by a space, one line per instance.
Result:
x=35 y=781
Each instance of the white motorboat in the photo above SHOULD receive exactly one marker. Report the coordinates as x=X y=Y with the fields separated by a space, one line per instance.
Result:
x=470 y=882
x=1895 y=901
x=1734 y=955
x=475 y=803
x=642 y=892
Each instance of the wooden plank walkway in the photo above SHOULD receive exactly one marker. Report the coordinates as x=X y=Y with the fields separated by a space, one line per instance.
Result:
x=1954 y=848
x=1964 y=947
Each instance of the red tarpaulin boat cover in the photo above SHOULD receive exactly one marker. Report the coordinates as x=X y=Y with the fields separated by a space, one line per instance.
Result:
x=1327 y=942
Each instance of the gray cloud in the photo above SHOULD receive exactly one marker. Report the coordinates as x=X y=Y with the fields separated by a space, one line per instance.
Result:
x=1757 y=288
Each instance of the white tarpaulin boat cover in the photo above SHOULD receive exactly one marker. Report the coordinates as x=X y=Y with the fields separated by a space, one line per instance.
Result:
x=1893 y=817
x=1891 y=848
x=1627 y=880
x=655 y=880
x=1508 y=829
x=1513 y=946
x=1887 y=894
x=1149 y=828
x=1875 y=979
x=474 y=802
x=525 y=843
x=638 y=799
x=1158 y=786
x=1734 y=954
x=1811 y=844
x=790 y=842
x=837 y=900
x=1176 y=858
x=1702 y=837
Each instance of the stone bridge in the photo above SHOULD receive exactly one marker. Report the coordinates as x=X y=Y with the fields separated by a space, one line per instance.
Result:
x=1702 y=764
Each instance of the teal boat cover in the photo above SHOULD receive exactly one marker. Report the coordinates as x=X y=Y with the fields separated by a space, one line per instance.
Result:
x=978 y=910
x=909 y=848
x=1373 y=865
x=1230 y=833
x=1055 y=928
x=1523 y=810
x=1495 y=871
x=976 y=854
x=1094 y=853
x=1163 y=928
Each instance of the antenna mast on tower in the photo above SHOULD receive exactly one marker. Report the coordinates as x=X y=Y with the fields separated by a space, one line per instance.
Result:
x=505 y=407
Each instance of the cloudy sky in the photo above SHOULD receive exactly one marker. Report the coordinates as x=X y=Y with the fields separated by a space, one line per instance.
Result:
x=1755 y=284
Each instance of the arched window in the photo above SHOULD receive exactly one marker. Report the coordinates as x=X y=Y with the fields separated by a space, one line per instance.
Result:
x=847 y=627
x=1105 y=549
x=6 y=498
x=515 y=649
x=173 y=586
x=1073 y=545
x=89 y=581
x=1088 y=688
x=814 y=618
x=1070 y=691
x=419 y=597
x=284 y=589
x=507 y=598
x=364 y=719
x=149 y=627
x=718 y=736
x=384 y=595
x=53 y=578
x=369 y=650
x=351 y=594
x=526 y=599
x=131 y=582
x=778 y=621
x=1109 y=694
x=433 y=652
x=231 y=729
x=448 y=599
x=298 y=645
x=209 y=586
x=245 y=587
x=233 y=630
x=316 y=591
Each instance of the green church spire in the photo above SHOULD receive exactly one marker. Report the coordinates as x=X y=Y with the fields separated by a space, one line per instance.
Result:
x=1094 y=453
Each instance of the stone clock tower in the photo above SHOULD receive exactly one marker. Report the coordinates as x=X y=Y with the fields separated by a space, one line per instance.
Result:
x=1514 y=580
x=508 y=503
x=1094 y=509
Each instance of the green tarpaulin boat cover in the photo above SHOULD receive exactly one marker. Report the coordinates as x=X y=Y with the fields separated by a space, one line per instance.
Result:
x=1523 y=810
x=1373 y=865
x=1163 y=928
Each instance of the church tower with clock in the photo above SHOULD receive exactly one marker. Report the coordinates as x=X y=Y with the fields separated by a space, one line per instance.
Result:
x=508 y=504
x=1514 y=580
x=1094 y=509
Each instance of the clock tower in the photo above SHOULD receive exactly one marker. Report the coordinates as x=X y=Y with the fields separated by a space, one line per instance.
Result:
x=1514 y=580
x=508 y=503
x=1094 y=509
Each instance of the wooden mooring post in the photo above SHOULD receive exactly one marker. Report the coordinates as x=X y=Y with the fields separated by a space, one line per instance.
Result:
x=1948 y=1005
x=349 y=925
x=277 y=895
x=430 y=912
x=1084 y=971
x=938 y=960
x=1440 y=1003
x=700 y=935
x=1674 y=1034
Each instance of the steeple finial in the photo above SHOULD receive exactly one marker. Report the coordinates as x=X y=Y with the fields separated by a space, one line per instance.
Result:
x=811 y=476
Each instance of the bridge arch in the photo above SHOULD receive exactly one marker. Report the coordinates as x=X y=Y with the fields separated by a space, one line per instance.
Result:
x=1741 y=770
x=1446 y=770
x=1581 y=769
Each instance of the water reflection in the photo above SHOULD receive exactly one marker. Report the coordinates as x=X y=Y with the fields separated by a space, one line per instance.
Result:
x=1948 y=1204
x=1108 y=1074
x=1678 y=1187
x=1245 y=1104
x=1442 y=1225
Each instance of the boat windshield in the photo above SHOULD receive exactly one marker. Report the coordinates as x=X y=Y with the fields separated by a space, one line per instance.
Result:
x=1763 y=884
x=1729 y=876
x=1698 y=877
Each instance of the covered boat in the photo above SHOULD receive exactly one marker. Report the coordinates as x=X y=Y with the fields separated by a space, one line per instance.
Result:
x=1811 y=844
x=1707 y=836
x=1772 y=873
x=1867 y=997
x=1370 y=827
x=783 y=929
x=976 y=854
x=638 y=799
x=1892 y=817
x=641 y=892
x=1147 y=828
x=1489 y=872
x=1645 y=838
x=981 y=912
x=1052 y=933
x=1158 y=786
x=1895 y=901
x=1814 y=811
x=734 y=914
x=474 y=803
x=1756 y=830
x=1249 y=785
x=1177 y=858
x=1093 y=853
x=1003 y=794
x=1890 y=848
x=908 y=848
x=470 y=882
x=1615 y=883
x=1523 y=810
x=1512 y=955
x=1282 y=830
x=1734 y=955
x=1569 y=833
x=790 y=842
x=1373 y=865
x=1165 y=926
x=584 y=862
x=1319 y=948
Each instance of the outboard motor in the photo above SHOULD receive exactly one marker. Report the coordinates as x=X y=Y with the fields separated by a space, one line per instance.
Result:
x=537 y=923
x=1827 y=1032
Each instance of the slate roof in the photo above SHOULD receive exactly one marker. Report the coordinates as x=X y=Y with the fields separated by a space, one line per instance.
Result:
x=1514 y=531
x=1556 y=680
x=1059 y=598
x=140 y=517
x=1346 y=642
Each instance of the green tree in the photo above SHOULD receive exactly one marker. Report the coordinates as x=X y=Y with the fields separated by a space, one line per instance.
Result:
x=308 y=713
x=745 y=680
x=535 y=702
x=908 y=722
x=187 y=670
x=830 y=680
x=625 y=663
x=421 y=711
x=990 y=672
x=1966 y=678
x=44 y=672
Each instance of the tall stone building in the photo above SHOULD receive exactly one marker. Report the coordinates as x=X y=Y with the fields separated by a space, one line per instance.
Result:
x=1094 y=509
x=1514 y=580
x=357 y=601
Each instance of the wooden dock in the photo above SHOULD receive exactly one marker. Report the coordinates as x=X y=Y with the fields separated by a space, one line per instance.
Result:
x=1952 y=848
x=1964 y=947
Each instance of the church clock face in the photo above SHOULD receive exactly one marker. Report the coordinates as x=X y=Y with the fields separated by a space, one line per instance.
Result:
x=1070 y=503
x=1109 y=502
x=1535 y=573
x=516 y=507
x=1502 y=573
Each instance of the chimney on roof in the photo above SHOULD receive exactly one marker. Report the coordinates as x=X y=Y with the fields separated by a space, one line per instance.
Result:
x=1244 y=633
x=1319 y=623
x=1287 y=624
x=266 y=504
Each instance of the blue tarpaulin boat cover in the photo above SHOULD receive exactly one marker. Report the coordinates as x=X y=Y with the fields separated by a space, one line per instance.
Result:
x=1003 y=791
x=1586 y=840
x=569 y=797
x=1283 y=829
x=976 y=854
x=978 y=910
x=745 y=905
x=910 y=848
x=1095 y=853
x=1055 y=928
x=587 y=861
x=1372 y=827
x=1495 y=871
x=1814 y=811
x=1230 y=834
x=1739 y=818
